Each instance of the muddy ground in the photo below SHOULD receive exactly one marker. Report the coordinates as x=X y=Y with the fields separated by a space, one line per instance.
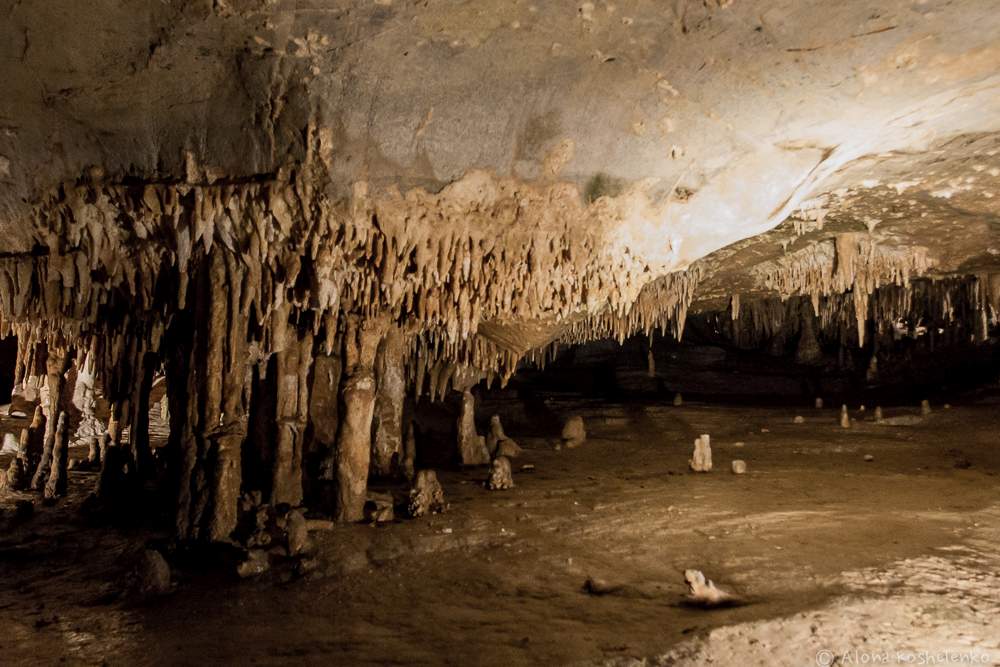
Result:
x=830 y=553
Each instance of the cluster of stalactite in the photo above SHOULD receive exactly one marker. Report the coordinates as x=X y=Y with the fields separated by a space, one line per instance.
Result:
x=969 y=304
x=251 y=295
x=850 y=262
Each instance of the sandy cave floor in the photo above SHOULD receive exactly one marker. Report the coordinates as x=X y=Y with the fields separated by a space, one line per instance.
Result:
x=832 y=553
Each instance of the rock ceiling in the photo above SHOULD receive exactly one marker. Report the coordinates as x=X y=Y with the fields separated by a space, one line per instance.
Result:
x=490 y=175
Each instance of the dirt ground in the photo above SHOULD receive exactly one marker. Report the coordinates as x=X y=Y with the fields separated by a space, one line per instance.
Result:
x=839 y=560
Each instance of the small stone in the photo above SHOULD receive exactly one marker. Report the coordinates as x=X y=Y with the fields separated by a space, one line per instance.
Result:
x=256 y=563
x=379 y=508
x=947 y=406
x=150 y=576
x=869 y=458
x=739 y=467
x=298 y=533
x=799 y=419
x=574 y=433
x=739 y=444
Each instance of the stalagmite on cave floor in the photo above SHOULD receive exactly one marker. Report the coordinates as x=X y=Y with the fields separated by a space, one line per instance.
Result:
x=828 y=551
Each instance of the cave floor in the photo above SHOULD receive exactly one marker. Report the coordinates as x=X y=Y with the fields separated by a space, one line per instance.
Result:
x=829 y=552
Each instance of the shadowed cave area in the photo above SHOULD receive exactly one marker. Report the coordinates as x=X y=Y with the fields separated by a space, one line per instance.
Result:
x=477 y=332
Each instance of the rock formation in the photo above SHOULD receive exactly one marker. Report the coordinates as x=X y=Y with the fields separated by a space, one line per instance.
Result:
x=701 y=458
x=471 y=446
x=574 y=433
x=55 y=485
x=500 y=475
x=318 y=231
x=426 y=495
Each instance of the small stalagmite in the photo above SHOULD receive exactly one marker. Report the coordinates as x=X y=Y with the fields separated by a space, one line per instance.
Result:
x=471 y=446
x=574 y=433
x=33 y=439
x=409 y=451
x=678 y=400
x=878 y=414
x=495 y=435
x=819 y=403
x=500 y=475
x=426 y=495
x=845 y=418
x=701 y=459
x=55 y=485
x=702 y=591
x=739 y=467
x=925 y=407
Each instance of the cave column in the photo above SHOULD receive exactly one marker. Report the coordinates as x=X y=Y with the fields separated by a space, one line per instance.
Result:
x=292 y=410
x=471 y=446
x=354 y=438
x=387 y=425
x=56 y=364
x=208 y=379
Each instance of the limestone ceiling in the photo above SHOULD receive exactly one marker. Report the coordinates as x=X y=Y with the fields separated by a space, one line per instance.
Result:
x=682 y=127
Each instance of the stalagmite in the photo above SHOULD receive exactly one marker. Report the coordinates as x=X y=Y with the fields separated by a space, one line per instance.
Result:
x=925 y=407
x=500 y=475
x=387 y=424
x=426 y=495
x=878 y=414
x=808 y=350
x=471 y=446
x=497 y=442
x=574 y=433
x=678 y=400
x=17 y=475
x=819 y=403
x=845 y=419
x=33 y=441
x=90 y=427
x=701 y=458
x=55 y=485
x=354 y=439
x=409 y=451
x=702 y=591
x=57 y=363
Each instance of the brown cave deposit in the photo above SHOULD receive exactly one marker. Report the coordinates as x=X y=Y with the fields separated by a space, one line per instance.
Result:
x=402 y=332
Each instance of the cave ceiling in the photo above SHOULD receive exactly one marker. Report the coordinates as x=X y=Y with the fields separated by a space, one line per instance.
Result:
x=585 y=149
